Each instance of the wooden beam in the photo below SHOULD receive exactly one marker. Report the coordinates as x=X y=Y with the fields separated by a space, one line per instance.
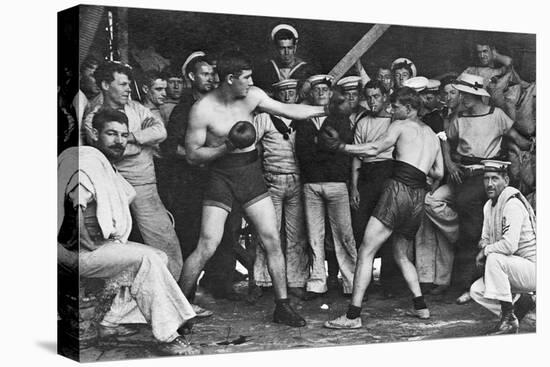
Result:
x=358 y=50
x=122 y=34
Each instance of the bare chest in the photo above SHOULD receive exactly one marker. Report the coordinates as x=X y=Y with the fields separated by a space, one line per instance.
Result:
x=222 y=118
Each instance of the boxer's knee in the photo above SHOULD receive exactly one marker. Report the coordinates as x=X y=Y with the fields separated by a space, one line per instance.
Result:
x=207 y=246
x=271 y=241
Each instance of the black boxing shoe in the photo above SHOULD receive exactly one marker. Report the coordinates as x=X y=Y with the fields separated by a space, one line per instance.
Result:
x=285 y=314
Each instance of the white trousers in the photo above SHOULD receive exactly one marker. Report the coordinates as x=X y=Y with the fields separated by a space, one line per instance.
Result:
x=504 y=275
x=154 y=295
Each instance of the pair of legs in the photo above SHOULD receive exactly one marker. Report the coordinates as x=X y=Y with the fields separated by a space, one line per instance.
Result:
x=155 y=225
x=155 y=295
x=376 y=234
x=371 y=184
x=286 y=193
x=331 y=199
x=263 y=217
x=504 y=275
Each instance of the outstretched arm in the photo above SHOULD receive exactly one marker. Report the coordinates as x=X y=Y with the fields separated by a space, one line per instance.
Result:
x=195 y=140
x=288 y=110
x=372 y=149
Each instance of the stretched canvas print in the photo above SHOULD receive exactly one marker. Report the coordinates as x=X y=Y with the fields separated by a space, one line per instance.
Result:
x=231 y=183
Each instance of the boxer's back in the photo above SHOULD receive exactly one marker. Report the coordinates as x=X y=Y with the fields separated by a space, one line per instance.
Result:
x=417 y=145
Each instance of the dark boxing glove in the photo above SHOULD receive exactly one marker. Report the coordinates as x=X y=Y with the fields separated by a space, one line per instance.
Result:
x=241 y=135
x=338 y=104
x=330 y=139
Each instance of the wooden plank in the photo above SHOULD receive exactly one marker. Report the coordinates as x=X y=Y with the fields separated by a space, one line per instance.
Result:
x=358 y=50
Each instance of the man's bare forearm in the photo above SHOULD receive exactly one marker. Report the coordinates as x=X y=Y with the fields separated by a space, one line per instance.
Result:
x=302 y=111
x=367 y=149
x=355 y=165
x=446 y=151
x=205 y=154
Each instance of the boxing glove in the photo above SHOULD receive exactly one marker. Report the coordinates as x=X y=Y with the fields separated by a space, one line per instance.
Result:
x=338 y=104
x=330 y=139
x=241 y=135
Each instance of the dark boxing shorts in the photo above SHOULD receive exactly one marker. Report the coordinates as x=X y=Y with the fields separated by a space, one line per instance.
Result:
x=235 y=178
x=401 y=204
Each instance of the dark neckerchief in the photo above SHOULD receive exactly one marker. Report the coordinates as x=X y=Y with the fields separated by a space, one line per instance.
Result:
x=282 y=127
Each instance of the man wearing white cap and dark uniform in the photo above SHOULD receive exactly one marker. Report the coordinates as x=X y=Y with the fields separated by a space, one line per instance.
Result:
x=325 y=174
x=351 y=86
x=219 y=133
x=477 y=134
x=277 y=137
x=286 y=65
x=507 y=250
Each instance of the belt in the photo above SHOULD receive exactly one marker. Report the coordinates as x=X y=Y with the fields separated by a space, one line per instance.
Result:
x=473 y=170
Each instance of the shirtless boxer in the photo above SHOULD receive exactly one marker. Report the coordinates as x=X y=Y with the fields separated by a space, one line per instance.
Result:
x=236 y=174
x=400 y=207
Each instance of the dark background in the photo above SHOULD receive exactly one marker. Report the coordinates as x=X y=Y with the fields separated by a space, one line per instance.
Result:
x=175 y=34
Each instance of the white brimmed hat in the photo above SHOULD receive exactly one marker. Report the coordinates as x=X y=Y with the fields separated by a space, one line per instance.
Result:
x=350 y=82
x=285 y=84
x=472 y=84
x=433 y=85
x=407 y=61
x=320 y=78
x=190 y=58
x=280 y=27
x=491 y=165
x=418 y=83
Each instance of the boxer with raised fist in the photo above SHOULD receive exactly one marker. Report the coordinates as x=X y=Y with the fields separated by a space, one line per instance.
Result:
x=241 y=135
x=236 y=174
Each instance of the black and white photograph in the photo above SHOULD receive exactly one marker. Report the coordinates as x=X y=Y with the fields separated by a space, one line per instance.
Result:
x=233 y=181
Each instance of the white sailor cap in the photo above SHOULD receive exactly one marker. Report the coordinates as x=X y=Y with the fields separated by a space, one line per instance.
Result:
x=418 y=83
x=491 y=165
x=285 y=84
x=190 y=58
x=280 y=27
x=406 y=61
x=350 y=82
x=433 y=85
x=320 y=78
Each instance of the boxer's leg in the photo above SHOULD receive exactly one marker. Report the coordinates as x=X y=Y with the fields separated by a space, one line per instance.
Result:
x=375 y=235
x=264 y=218
x=401 y=246
x=212 y=226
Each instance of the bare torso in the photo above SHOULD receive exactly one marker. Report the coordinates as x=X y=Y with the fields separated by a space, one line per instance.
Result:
x=417 y=145
x=211 y=119
x=220 y=116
